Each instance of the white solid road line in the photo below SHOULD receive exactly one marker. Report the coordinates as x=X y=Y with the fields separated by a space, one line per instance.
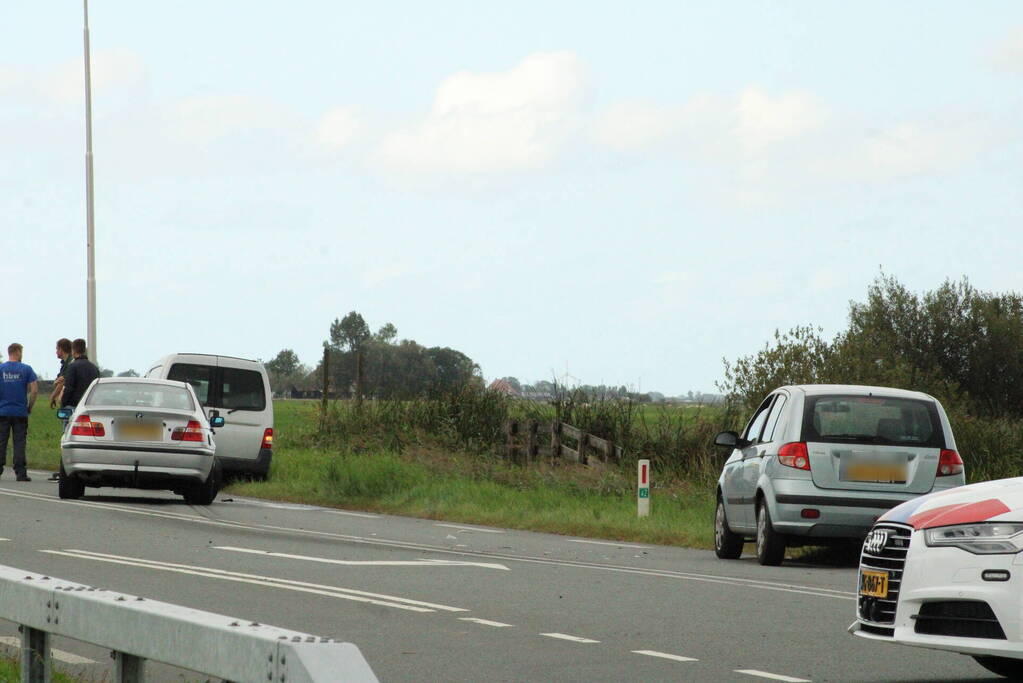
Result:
x=259 y=580
x=616 y=545
x=565 y=636
x=66 y=657
x=664 y=655
x=462 y=527
x=4 y=539
x=365 y=563
x=485 y=622
x=773 y=677
x=667 y=573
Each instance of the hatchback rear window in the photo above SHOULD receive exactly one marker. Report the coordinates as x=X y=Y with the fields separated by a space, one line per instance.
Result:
x=140 y=395
x=880 y=420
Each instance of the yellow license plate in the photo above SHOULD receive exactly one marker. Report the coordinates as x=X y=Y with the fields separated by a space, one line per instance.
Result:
x=139 y=432
x=890 y=474
x=874 y=584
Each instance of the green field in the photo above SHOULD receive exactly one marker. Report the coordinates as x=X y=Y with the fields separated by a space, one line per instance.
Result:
x=423 y=479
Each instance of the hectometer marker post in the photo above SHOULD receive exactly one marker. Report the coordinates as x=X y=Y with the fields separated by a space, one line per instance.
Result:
x=643 y=488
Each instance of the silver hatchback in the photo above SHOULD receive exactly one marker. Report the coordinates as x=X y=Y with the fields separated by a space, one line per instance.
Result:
x=822 y=462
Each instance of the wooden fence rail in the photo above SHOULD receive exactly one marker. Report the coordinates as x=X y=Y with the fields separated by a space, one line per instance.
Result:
x=522 y=444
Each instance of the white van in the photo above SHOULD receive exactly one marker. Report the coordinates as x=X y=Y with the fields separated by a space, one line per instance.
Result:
x=238 y=390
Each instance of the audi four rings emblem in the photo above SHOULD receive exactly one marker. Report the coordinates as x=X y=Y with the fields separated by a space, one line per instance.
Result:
x=876 y=541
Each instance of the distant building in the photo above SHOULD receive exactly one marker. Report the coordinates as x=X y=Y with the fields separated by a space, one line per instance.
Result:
x=503 y=387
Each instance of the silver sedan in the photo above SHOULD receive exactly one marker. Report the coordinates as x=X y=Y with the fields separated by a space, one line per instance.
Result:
x=140 y=433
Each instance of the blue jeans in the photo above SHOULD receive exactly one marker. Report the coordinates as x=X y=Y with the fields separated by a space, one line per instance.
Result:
x=19 y=427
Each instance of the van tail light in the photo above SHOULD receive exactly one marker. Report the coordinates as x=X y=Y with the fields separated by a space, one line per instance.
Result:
x=268 y=438
x=84 y=426
x=949 y=463
x=190 y=432
x=794 y=455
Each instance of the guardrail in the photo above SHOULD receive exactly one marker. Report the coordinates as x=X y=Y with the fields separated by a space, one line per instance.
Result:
x=137 y=629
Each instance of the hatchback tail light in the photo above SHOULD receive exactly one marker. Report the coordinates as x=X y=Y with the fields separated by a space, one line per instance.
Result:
x=268 y=438
x=84 y=426
x=190 y=432
x=794 y=455
x=949 y=463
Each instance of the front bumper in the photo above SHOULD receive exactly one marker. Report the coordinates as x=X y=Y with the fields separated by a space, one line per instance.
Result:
x=942 y=575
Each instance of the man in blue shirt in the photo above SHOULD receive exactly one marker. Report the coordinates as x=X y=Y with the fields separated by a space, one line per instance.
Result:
x=18 y=392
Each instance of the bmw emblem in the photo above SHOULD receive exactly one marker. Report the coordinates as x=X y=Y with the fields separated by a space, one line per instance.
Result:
x=139 y=416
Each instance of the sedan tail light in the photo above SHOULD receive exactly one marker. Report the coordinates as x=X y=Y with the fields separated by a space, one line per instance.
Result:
x=190 y=432
x=268 y=438
x=949 y=463
x=794 y=455
x=84 y=426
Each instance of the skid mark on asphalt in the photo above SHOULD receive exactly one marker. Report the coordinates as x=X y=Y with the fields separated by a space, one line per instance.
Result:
x=485 y=622
x=565 y=636
x=364 y=563
x=422 y=547
x=60 y=655
x=771 y=676
x=259 y=580
x=664 y=655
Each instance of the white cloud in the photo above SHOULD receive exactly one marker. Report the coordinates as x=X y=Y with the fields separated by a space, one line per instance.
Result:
x=493 y=121
x=109 y=68
x=206 y=118
x=746 y=123
x=1008 y=56
x=337 y=128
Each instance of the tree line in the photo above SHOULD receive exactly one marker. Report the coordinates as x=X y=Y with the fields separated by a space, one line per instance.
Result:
x=362 y=363
x=962 y=345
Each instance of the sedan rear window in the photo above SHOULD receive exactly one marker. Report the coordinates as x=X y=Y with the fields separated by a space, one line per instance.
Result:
x=140 y=395
x=880 y=420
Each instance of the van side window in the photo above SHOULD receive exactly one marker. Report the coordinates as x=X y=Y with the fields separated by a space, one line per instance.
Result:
x=242 y=390
x=199 y=376
x=772 y=421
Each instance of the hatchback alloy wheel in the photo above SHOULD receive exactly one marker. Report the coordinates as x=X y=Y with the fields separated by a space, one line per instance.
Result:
x=770 y=544
x=727 y=544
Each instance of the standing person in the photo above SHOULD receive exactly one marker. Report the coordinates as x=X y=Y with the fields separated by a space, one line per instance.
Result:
x=64 y=354
x=78 y=375
x=18 y=392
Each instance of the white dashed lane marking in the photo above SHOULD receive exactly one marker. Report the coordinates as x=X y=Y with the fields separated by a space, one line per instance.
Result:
x=665 y=655
x=462 y=527
x=611 y=543
x=60 y=655
x=485 y=622
x=565 y=636
x=365 y=563
x=773 y=677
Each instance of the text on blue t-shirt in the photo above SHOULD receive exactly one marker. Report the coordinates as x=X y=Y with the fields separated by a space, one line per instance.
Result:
x=14 y=380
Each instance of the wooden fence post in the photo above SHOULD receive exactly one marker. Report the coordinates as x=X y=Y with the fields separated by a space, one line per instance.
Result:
x=326 y=388
x=583 y=446
x=556 y=439
x=511 y=429
x=532 y=444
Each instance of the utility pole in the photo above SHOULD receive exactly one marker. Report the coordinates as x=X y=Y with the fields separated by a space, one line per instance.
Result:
x=90 y=239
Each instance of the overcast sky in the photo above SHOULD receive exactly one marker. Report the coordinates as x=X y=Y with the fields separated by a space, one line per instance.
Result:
x=624 y=192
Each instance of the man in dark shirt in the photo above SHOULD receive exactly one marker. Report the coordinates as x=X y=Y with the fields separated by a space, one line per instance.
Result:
x=18 y=391
x=64 y=354
x=78 y=375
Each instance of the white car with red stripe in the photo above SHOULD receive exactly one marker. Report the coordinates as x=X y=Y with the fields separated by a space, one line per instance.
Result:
x=140 y=433
x=945 y=571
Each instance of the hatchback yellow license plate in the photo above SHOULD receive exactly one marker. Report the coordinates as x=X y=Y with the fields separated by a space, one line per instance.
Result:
x=139 y=432
x=877 y=472
x=874 y=584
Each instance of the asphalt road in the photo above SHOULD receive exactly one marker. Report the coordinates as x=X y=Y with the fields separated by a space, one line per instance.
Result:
x=427 y=600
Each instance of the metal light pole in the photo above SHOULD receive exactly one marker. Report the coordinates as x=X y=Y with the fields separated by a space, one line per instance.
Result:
x=90 y=240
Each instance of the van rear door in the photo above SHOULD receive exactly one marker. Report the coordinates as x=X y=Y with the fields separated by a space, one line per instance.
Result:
x=244 y=402
x=873 y=443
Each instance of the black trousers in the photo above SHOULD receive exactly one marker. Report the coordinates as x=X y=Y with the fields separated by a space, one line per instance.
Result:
x=19 y=427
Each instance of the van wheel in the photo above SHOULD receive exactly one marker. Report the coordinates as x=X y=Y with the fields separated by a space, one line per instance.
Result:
x=1003 y=666
x=770 y=544
x=69 y=487
x=727 y=544
x=206 y=492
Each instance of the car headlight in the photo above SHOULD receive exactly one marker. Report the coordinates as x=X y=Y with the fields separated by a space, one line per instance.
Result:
x=988 y=538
